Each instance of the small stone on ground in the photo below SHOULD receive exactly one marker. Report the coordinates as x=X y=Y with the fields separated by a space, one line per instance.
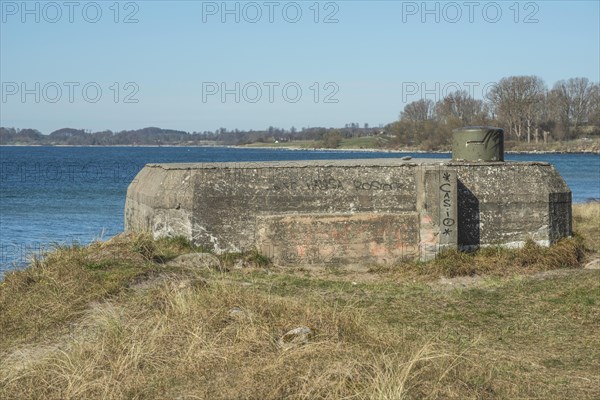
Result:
x=594 y=264
x=296 y=336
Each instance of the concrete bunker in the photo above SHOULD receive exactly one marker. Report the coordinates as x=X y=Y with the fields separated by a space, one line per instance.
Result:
x=366 y=211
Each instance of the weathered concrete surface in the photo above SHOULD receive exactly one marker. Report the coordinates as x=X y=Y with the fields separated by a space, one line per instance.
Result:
x=350 y=211
x=437 y=206
x=506 y=203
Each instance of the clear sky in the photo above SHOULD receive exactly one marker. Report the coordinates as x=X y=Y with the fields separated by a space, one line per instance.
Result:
x=198 y=65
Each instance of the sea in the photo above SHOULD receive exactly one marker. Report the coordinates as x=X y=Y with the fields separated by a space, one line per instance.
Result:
x=64 y=195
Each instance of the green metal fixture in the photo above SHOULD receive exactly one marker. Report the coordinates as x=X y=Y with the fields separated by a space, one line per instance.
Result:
x=478 y=143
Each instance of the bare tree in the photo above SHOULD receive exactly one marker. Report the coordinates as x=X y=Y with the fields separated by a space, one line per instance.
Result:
x=418 y=111
x=517 y=102
x=548 y=116
x=594 y=111
x=574 y=99
x=461 y=107
x=534 y=92
x=502 y=97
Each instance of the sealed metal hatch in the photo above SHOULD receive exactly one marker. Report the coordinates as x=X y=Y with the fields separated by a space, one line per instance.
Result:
x=478 y=143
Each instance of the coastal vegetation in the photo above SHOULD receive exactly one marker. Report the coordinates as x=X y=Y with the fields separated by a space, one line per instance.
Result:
x=565 y=117
x=582 y=145
x=123 y=319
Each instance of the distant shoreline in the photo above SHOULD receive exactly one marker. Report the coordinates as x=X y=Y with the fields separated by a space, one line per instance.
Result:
x=291 y=148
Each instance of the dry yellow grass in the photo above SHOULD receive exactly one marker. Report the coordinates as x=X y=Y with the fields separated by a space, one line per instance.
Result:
x=113 y=321
x=586 y=221
x=180 y=340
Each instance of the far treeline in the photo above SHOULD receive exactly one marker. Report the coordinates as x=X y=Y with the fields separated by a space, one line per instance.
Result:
x=523 y=106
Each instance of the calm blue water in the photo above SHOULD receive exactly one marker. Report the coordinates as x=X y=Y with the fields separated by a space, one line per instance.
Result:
x=77 y=194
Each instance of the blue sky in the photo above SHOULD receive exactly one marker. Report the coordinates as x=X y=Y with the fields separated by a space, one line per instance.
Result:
x=190 y=65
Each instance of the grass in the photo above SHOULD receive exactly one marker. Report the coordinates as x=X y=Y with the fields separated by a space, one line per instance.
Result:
x=116 y=320
x=586 y=221
x=495 y=261
x=368 y=142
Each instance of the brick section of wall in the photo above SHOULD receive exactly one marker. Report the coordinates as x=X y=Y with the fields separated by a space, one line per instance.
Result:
x=364 y=238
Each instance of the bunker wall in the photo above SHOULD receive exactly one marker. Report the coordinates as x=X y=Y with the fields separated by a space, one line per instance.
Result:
x=352 y=211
